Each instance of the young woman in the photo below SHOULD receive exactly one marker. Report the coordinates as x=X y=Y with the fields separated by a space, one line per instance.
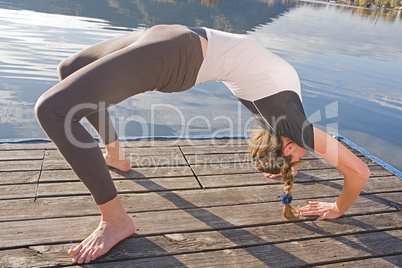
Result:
x=173 y=58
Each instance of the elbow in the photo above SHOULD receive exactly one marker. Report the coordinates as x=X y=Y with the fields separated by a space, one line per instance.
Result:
x=363 y=172
x=366 y=173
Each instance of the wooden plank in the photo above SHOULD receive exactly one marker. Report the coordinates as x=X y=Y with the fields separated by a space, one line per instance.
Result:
x=332 y=173
x=256 y=178
x=251 y=236
x=136 y=161
x=256 y=193
x=21 y=155
x=225 y=167
x=213 y=168
x=226 y=148
x=383 y=262
x=154 y=172
x=83 y=205
x=246 y=179
x=247 y=167
x=153 y=151
x=133 y=144
x=184 y=142
x=138 y=157
x=217 y=149
x=27 y=146
x=391 y=183
x=197 y=159
x=18 y=191
x=162 y=245
x=199 y=155
x=302 y=190
x=290 y=254
x=28 y=209
x=207 y=159
x=16 y=177
x=123 y=186
x=24 y=165
x=28 y=232
x=240 y=157
x=215 y=142
x=136 y=152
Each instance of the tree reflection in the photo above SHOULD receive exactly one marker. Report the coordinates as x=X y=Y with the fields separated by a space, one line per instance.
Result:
x=374 y=14
x=229 y=15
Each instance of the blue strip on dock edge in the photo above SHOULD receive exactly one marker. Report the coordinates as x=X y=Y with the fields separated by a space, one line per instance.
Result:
x=340 y=137
x=367 y=154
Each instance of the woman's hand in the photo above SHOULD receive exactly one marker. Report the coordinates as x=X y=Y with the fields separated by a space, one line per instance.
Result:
x=272 y=176
x=322 y=209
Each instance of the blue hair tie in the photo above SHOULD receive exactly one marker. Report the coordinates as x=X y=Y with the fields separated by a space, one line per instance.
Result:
x=285 y=199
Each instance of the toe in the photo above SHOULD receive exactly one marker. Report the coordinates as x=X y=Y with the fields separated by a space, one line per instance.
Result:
x=95 y=254
x=82 y=257
x=74 y=251
x=88 y=258
x=79 y=256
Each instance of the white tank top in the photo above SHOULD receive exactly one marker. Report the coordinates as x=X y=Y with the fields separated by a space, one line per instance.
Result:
x=248 y=69
x=262 y=81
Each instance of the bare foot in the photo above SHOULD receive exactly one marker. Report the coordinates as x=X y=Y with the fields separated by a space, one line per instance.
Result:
x=106 y=236
x=120 y=164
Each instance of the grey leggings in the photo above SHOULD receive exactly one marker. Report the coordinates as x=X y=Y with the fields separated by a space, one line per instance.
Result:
x=166 y=58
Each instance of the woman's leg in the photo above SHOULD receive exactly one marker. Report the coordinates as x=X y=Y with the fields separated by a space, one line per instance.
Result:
x=83 y=90
x=154 y=61
x=101 y=121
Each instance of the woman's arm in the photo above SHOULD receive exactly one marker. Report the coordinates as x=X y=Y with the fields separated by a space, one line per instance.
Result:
x=355 y=172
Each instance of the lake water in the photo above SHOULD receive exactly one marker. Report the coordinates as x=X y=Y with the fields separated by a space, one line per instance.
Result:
x=349 y=61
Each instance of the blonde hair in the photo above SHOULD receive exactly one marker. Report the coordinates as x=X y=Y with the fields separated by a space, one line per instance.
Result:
x=266 y=151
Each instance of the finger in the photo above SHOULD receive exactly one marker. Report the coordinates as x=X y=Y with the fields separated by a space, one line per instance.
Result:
x=313 y=202
x=311 y=213
x=306 y=208
x=271 y=176
x=323 y=217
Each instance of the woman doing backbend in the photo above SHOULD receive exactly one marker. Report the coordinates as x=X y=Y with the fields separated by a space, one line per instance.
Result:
x=173 y=58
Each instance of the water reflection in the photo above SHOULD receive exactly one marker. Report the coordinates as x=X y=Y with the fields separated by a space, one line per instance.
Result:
x=373 y=14
x=229 y=15
x=344 y=54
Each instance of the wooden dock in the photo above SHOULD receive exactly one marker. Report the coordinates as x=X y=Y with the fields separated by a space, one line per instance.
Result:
x=195 y=203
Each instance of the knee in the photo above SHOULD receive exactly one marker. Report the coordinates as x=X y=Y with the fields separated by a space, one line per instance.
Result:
x=52 y=108
x=42 y=109
x=64 y=69
x=48 y=111
x=73 y=64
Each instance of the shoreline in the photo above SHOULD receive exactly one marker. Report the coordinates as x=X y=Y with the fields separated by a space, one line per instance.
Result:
x=368 y=6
